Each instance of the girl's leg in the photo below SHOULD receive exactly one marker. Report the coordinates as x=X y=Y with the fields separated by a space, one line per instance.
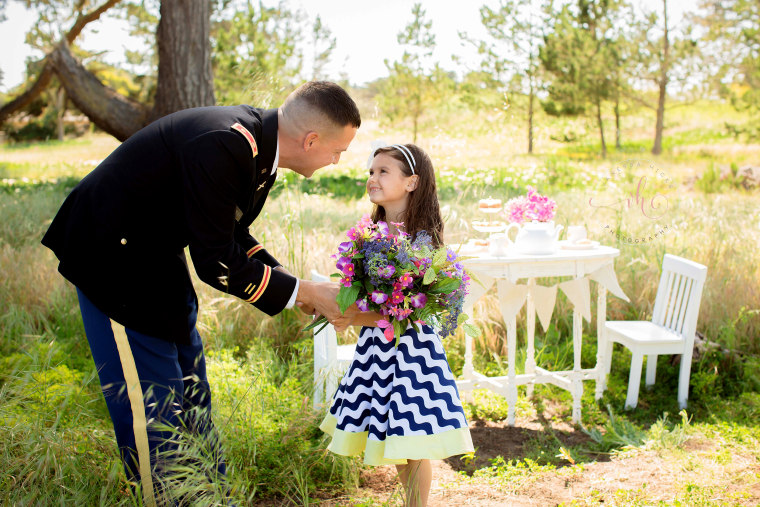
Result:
x=416 y=477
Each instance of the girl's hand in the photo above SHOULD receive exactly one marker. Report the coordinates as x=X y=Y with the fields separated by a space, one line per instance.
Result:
x=341 y=323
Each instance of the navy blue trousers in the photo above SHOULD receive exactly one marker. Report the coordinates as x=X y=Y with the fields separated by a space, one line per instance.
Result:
x=157 y=393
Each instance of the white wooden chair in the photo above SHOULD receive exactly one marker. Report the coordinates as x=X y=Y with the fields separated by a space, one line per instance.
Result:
x=671 y=330
x=330 y=359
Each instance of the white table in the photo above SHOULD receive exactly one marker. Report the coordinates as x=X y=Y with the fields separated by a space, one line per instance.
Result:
x=506 y=271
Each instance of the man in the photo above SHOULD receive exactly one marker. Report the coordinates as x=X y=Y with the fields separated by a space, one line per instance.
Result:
x=196 y=178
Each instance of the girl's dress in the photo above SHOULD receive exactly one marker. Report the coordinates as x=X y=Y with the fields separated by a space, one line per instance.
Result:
x=398 y=403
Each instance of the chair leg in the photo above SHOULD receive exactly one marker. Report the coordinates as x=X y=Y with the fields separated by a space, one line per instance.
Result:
x=319 y=389
x=683 y=380
x=634 y=379
x=651 y=369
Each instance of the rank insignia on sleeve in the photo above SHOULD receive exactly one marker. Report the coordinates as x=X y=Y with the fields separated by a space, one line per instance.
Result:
x=248 y=137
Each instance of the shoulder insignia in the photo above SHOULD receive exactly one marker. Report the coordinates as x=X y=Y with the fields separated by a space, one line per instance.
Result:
x=248 y=137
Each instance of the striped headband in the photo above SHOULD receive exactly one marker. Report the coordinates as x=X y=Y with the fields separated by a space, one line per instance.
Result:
x=406 y=152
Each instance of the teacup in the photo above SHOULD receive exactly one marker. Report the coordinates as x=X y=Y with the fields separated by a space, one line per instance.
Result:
x=576 y=233
x=499 y=244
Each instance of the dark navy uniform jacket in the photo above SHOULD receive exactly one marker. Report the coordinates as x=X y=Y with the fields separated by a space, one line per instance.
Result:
x=195 y=178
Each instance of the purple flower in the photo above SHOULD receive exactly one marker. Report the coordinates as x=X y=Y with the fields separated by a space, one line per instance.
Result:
x=345 y=247
x=419 y=300
x=387 y=271
x=383 y=228
x=450 y=255
x=342 y=263
x=379 y=297
x=363 y=305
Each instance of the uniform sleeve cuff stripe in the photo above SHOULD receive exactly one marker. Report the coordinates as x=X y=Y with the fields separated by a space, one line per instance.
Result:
x=262 y=285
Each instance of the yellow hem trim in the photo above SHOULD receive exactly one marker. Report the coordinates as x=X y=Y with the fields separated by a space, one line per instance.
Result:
x=396 y=450
x=139 y=424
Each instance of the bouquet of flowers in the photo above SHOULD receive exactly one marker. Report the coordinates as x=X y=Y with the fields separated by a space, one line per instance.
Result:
x=531 y=207
x=409 y=282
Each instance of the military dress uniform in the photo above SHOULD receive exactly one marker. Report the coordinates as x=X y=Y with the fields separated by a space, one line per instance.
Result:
x=196 y=178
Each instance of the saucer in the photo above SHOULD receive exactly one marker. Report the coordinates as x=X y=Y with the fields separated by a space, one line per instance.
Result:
x=567 y=245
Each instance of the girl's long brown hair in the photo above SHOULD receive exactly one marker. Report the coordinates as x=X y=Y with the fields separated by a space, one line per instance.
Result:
x=423 y=212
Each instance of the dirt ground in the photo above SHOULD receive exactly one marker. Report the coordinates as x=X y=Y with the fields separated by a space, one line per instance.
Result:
x=701 y=471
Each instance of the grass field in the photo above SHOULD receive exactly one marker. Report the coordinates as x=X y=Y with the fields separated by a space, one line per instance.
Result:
x=59 y=447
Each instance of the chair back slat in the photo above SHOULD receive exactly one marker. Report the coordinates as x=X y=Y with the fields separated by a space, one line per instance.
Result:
x=679 y=295
x=684 y=306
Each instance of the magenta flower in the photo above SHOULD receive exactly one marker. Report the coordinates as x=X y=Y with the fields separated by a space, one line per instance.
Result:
x=353 y=234
x=397 y=297
x=387 y=328
x=406 y=280
x=346 y=281
x=418 y=300
x=387 y=271
x=348 y=269
x=379 y=297
x=363 y=305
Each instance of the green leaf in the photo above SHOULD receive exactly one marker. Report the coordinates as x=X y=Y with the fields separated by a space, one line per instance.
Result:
x=368 y=286
x=471 y=330
x=347 y=296
x=439 y=258
x=320 y=322
x=429 y=277
x=462 y=319
x=445 y=285
x=398 y=329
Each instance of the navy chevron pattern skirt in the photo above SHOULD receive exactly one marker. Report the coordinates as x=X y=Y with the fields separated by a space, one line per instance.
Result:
x=398 y=403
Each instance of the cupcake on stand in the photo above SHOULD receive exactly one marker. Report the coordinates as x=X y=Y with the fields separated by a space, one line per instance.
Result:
x=490 y=207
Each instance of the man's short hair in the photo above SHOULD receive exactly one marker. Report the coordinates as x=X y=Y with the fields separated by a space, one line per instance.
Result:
x=331 y=100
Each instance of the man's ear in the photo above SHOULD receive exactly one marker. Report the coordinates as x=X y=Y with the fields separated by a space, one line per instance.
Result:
x=309 y=140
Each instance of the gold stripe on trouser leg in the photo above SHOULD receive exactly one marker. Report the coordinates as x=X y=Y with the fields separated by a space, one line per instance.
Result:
x=139 y=424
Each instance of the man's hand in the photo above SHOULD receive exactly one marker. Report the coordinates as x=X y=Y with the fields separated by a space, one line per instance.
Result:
x=319 y=297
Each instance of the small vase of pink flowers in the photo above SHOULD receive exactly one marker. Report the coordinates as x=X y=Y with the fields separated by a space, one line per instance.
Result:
x=534 y=214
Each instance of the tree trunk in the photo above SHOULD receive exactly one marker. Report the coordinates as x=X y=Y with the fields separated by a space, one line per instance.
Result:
x=60 y=110
x=184 y=72
x=184 y=57
x=118 y=115
x=617 y=122
x=531 y=98
x=47 y=71
x=662 y=84
x=601 y=127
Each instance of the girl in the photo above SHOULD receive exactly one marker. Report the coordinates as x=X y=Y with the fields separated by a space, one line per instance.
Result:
x=399 y=405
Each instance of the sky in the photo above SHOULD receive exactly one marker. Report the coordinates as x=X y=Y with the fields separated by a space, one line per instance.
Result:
x=365 y=34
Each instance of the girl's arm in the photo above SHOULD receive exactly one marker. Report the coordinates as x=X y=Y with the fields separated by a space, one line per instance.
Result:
x=358 y=319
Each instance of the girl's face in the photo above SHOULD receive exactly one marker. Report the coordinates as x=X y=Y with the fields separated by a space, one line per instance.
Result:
x=387 y=185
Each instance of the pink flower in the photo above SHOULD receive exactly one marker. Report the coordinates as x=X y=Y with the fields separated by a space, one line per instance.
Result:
x=419 y=300
x=348 y=269
x=397 y=297
x=379 y=297
x=406 y=280
x=346 y=281
x=353 y=234
x=387 y=328
x=401 y=313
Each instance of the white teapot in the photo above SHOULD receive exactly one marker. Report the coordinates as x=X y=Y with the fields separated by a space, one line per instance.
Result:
x=536 y=238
